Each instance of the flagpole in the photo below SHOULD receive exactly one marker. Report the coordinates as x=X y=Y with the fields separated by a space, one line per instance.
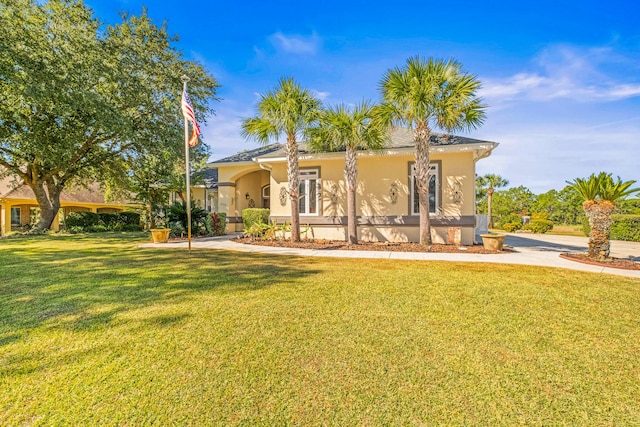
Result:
x=185 y=79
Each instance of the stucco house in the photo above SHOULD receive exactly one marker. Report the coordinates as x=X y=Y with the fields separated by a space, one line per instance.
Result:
x=387 y=201
x=18 y=206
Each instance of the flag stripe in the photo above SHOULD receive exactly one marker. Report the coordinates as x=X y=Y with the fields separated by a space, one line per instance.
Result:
x=187 y=112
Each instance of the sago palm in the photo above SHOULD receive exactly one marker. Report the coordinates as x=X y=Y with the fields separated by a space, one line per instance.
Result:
x=491 y=182
x=350 y=130
x=424 y=95
x=600 y=194
x=287 y=110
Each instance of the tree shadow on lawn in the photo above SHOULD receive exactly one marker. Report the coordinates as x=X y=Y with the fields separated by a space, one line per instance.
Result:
x=85 y=289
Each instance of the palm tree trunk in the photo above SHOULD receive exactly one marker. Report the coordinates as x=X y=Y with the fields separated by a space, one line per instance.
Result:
x=421 y=135
x=599 y=215
x=293 y=173
x=489 y=200
x=351 y=176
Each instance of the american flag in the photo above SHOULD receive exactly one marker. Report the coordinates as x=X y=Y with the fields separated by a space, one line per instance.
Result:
x=187 y=112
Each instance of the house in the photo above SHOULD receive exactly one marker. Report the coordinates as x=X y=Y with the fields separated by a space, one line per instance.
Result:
x=387 y=201
x=19 y=208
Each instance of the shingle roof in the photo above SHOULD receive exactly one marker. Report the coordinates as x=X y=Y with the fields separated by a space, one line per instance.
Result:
x=211 y=178
x=92 y=194
x=400 y=138
x=249 y=155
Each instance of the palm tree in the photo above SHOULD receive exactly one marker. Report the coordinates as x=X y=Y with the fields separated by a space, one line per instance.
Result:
x=491 y=181
x=427 y=94
x=600 y=194
x=286 y=110
x=350 y=130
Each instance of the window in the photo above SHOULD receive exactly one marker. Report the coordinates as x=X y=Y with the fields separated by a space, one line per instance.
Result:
x=434 y=194
x=309 y=182
x=15 y=216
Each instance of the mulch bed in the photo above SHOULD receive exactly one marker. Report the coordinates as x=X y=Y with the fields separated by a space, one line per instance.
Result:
x=320 y=244
x=625 y=264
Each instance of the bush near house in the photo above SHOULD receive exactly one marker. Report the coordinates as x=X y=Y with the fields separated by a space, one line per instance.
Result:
x=82 y=222
x=216 y=223
x=253 y=216
x=539 y=226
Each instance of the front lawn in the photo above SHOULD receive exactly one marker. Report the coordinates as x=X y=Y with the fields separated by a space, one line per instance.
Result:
x=94 y=331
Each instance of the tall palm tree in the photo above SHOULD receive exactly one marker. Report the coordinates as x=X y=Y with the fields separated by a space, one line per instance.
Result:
x=491 y=181
x=350 y=130
x=286 y=110
x=429 y=94
x=600 y=194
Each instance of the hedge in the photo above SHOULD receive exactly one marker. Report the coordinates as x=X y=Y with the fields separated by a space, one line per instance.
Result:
x=539 y=226
x=96 y=222
x=253 y=216
x=623 y=227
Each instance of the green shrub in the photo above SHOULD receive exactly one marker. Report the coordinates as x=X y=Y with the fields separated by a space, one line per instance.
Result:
x=98 y=228
x=253 y=216
x=81 y=219
x=510 y=227
x=586 y=228
x=539 y=216
x=109 y=220
x=514 y=221
x=539 y=226
x=625 y=227
x=218 y=223
x=131 y=227
x=129 y=218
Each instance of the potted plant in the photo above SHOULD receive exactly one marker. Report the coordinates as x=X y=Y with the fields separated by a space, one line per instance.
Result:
x=159 y=230
x=493 y=242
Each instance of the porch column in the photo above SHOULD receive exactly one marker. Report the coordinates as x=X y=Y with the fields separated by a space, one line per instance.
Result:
x=5 y=219
x=227 y=202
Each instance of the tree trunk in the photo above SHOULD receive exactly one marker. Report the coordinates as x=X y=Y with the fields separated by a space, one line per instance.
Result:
x=421 y=136
x=351 y=177
x=48 y=202
x=294 y=186
x=599 y=215
x=489 y=200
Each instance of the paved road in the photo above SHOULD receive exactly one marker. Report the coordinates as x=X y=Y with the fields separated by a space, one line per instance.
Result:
x=540 y=250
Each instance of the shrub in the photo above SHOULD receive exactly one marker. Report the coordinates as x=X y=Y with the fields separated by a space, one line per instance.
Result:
x=131 y=227
x=539 y=226
x=129 y=218
x=510 y=227
x=218 y=223
x=514 y=223
x=98 y=228
x=109 y=220
x=81 y=219
x=625 y=227
x=253 y=216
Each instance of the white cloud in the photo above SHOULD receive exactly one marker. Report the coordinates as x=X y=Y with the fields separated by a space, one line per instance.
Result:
x=296 y=44
x=320 y=95
x=583 y=75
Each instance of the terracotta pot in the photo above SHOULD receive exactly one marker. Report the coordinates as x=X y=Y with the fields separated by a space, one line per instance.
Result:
x=160 y=235
x=493 y=242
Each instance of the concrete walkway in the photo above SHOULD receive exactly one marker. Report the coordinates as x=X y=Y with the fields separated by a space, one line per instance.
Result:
x=530 y=249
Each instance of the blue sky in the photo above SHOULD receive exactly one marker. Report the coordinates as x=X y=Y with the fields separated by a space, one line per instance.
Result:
x=561 y=78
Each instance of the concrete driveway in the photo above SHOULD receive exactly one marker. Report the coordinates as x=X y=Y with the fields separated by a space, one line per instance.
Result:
x=563 y=244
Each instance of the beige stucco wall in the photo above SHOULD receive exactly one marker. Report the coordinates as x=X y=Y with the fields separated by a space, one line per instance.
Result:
x=377 y=174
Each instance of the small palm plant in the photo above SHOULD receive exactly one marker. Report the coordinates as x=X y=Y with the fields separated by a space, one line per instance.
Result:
x=491 y=181
x=600 y=194
x=350 y=130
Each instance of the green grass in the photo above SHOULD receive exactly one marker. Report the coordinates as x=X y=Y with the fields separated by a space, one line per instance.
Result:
x=94 y=331
x=567 y=230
